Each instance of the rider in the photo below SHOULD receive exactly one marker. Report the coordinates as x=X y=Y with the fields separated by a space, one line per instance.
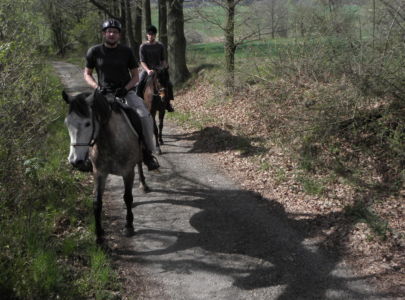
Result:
x=152 y=55
x=117 y=73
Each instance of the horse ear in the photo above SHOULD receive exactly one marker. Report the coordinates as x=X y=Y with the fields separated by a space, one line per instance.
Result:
x=65 y=97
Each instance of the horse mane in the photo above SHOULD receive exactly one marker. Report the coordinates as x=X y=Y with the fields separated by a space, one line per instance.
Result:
x=79 y=105
x=162 y=75
x=101 y=107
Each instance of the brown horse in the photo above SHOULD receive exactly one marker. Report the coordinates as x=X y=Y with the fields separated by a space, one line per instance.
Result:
x=155 y=96
x=99 y=130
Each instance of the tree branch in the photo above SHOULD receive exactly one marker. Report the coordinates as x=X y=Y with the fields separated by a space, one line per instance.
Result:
x=104 y=9
x=391 y=7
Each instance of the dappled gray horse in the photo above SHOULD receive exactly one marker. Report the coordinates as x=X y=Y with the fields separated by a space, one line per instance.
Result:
x=100 y=132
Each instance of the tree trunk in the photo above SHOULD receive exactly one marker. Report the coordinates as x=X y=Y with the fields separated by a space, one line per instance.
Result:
x=273 y=21
x=163 y=24
x=138 y=22
x=176 y=42
x=147 y=13
x=123 y=20
x=131 y=36
x=229 y=46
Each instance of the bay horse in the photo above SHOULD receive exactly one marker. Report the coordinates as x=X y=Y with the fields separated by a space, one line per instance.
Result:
x=154 y=95
x=99 y=131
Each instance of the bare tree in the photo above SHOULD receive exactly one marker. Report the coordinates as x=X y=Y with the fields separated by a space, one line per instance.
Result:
x=272 y=17
x=137 y=16
x=176 y=41
x=117 y=10
x=130 y=29
x=147 y=13
x=163 y=23
x=238 y=28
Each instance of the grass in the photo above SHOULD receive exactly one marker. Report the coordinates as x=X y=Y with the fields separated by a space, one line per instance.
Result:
x=188 y=120
x=211 y=52
x=311 y=186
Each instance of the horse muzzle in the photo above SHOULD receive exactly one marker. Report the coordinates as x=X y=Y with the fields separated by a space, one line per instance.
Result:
x=82 y=165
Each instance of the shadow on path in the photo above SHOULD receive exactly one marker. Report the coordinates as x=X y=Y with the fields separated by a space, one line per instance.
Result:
x=240 y=224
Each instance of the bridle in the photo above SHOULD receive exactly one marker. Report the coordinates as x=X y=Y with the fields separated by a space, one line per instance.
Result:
x=92 y=140
x=157 y=91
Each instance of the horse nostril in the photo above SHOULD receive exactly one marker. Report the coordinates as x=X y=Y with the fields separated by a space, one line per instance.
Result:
x=83 y=165
x=77 y=163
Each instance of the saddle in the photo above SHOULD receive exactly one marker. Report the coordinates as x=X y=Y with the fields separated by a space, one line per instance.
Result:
x=130 y=114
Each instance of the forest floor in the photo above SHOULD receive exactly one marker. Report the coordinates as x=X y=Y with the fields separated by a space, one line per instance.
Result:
x=233 y=133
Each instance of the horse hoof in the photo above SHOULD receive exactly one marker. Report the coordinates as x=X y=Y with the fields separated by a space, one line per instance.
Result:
x=100 y=233
x=129 y=231
x=100 y=240
x=144 y=188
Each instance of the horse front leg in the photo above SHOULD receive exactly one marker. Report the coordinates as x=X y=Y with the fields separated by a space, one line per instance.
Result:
x=156 y=132
x=161 y=118
x=98 y=205
x=142 y=182
x=128 y=198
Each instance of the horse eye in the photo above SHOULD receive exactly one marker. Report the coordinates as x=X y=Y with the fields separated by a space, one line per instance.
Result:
x=87 y=124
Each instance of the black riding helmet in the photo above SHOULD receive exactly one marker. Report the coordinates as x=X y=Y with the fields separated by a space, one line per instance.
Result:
x=151 y=30
x=112 y=23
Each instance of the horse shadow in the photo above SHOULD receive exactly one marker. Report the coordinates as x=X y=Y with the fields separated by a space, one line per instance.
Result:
x=234 y=226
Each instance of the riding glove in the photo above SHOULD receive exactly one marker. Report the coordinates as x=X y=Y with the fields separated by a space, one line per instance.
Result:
x=121 y=93
x=101 y=90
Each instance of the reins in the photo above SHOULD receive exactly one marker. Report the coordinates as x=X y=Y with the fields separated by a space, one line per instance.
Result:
x=156 y=91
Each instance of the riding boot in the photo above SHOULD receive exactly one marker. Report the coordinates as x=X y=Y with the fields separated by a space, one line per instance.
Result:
x=169 y=106
x=149 y=160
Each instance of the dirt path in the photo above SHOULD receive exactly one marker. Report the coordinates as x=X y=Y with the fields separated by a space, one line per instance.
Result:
x=200 y=236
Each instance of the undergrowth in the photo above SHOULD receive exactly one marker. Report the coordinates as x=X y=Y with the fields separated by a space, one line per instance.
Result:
x=48 y=249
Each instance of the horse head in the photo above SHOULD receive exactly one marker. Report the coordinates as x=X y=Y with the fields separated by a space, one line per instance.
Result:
x=87 y=112
x=162 y=77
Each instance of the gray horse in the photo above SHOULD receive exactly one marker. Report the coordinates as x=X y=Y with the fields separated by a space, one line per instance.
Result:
x=100 y=133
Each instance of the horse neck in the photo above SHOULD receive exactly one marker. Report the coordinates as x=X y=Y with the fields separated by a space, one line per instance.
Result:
x=148 y=95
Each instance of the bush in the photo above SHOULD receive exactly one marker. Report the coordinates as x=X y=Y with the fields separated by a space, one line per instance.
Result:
x=43 y=204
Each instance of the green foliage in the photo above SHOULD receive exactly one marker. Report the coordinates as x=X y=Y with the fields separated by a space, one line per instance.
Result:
x=86 y=31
